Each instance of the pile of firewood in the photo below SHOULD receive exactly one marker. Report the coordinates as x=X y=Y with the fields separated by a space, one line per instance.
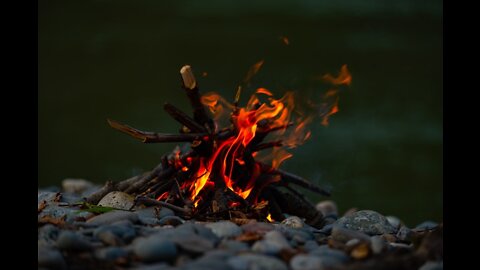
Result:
x=172 y=183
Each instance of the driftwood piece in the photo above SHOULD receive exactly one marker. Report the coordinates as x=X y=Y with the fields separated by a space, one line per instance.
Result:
x=99 y=194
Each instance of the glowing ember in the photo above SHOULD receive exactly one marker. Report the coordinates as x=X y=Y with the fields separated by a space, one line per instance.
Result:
x=269 y=217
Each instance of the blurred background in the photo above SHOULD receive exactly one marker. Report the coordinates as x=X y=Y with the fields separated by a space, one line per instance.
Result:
x=121 y=60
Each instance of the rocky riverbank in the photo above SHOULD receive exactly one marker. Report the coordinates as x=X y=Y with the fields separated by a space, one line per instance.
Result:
x=72 y=235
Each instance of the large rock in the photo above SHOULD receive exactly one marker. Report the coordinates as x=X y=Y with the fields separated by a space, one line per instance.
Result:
x=366 y=221
x=118 y=200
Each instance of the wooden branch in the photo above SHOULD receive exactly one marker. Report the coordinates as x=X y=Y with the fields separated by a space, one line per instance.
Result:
x=159 y=172
x=183 y=118
x=149 y=201
x=190 y=85
x=152 y=137
x=294 y=179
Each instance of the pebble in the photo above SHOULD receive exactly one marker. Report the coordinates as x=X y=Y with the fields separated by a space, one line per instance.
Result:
x=432 y=265
x=48 y=233
x=426 y=225
x=51 y=259
x=366 y=221
x=344 y=235
x=404 y=234
x=46 y=196
x=310 y=262
x=268 y=247
x=394 y=221
x=233 y=245
x=123 y=229
x=117 y=200
x=111 y=253
x=194 y=244
x=68 y=240
x=224 y=229
x=256 y=261
x=152 y=212
x=171 y=220
x=293 y=222
x=153 y=249
x=328 y=208
x=75 y=185
x=310 y=245
x=113 y=216
x=258 y=227
x=378 y=244
x=326 y=251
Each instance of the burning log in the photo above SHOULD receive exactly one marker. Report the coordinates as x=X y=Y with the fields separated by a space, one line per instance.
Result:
x=219 y=177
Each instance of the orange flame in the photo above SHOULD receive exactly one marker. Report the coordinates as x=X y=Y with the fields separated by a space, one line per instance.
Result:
x=269 y=218
x=229 y=164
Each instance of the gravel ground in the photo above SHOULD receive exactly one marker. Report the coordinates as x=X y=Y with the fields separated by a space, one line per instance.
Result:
x=154 y=238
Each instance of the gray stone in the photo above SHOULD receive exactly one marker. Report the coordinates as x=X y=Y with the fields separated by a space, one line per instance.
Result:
x=113 y=216
x=75 y=185
x=153 y=249
x=293 y=222
x=68 y=240
x=310 y=262
x=48 y=233
x=151 y=212
x=199 y=229
x=432 y=265
x=206 y=264
x=154 y=266
x=404 y=234
x=328 y=208
x=117 y=200
x=194 y=244
x=233 y=245
x=224 y=229
x=378 y=244
x=426 y=225
x=258 y=227
x=171 y=220
x=110 y=253
x=50 y=258
x=257 y=262
x=46 y=196
x=272 y=243
x=366 y=221
x=394 y=221
x=122 y=230
x=310 y=245
x=344 y=235
x=56 y=212
x=326 y=251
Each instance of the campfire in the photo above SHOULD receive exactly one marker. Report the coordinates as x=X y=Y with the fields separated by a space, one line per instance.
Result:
x=229 y=167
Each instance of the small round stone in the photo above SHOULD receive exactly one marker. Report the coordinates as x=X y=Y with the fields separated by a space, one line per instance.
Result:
x=327 y=208
x=256 y=261
x=75 y=185
x=224 y=229
x=51 y=259
x=293 y=222
x=153 y=249
x=68 y=240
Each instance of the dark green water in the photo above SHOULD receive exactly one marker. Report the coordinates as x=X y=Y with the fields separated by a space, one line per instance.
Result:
x=120 y=59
